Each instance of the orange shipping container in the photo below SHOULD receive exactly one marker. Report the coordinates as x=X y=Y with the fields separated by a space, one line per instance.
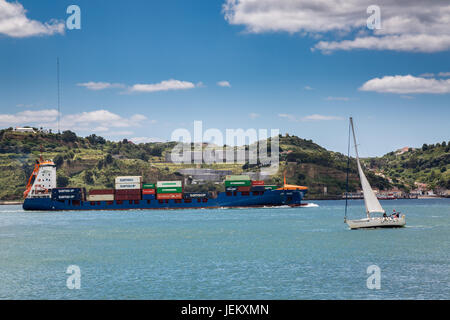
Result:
x=165 y=196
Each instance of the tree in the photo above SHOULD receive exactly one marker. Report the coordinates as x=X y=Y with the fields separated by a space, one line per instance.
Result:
x=58 y=161
x=62 y=181
x=69 y=136
x=88 y=177
x=108 y=158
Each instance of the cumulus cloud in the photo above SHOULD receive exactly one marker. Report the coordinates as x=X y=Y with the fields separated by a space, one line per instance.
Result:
x=254 y=115
x=101 y=121
x=29 y=117
x=224 y=84
x=308 y=88
x=138 y=140
x=14 y=22
x=406 y=25
x=407 y=84
x=165 y=85
x=100 y=85
x=313 y=117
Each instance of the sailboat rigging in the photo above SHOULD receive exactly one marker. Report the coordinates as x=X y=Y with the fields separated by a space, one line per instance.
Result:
x=371 y=201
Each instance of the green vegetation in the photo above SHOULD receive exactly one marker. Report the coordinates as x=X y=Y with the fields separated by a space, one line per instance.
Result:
x=94 y=162
x=429 y=165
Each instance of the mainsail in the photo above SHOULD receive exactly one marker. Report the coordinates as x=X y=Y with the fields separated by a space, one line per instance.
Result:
x=370 y=199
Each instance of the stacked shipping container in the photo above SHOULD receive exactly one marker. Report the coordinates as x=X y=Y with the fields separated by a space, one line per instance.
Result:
x=169 y=190
x=128 y=188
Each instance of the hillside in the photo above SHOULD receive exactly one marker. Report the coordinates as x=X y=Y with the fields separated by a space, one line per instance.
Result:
x=93 y=162
x=429 y=165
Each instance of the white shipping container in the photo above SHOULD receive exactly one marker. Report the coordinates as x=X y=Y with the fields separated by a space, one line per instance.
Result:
x=165 y=184
x=129 y=179
x=100 y=197
x=123 y=186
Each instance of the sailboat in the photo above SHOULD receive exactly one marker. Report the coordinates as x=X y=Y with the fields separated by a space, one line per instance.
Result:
x=370 y=199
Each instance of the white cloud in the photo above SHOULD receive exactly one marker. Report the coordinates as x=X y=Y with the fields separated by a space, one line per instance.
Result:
x=138 y=140
x=319 y=117
x=29 y=117
x=406 y=25
x=287 y=116
x=337 y=98
x=102 y=117
x=100 y=85
x=408 y=42
x=14 y=22
x=224 y=84
x=308 y=88
x=254 y=115
x=100 y=121
x=313 y=117
x=165 y=85
x=427 y=75
x=444 y=74
x=407 y=84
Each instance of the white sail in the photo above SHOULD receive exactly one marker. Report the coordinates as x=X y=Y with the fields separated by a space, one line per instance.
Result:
x=370 y=199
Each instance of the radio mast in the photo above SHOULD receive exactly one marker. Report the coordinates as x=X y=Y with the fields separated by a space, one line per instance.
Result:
x=59 y=97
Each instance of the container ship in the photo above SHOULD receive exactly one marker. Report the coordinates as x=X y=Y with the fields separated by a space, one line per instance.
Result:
x=131 y=192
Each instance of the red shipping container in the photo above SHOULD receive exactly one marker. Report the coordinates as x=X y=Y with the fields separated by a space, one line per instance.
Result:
x=148 y=191
x=102 y=191
x=258 y=183
x=127 y=197
x=165 y=196
x=128 y=191
x=243 y=189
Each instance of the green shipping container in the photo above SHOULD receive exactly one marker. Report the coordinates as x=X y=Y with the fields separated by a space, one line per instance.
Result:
x=169 y=190
x=237 y=183
x=236 y=177
x=149 y=186
x=271 y=187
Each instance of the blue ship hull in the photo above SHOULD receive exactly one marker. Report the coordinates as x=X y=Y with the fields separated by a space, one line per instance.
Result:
x=268 y=198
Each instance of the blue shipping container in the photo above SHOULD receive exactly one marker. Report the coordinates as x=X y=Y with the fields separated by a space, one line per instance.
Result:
x=258 y=188
x=190 y=195
x=148 y=197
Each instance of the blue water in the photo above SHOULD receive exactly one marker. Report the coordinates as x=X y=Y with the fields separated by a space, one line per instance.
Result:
x=283 y=253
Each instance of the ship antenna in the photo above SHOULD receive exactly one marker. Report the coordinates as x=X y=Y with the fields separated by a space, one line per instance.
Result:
x=40 y=156
x=59 y=97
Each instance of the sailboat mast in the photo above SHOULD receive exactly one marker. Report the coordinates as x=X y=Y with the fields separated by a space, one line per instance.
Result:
x=354 y=138
x=348 y=167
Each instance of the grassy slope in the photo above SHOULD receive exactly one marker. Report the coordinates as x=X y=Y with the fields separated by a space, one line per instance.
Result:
x=429 y=164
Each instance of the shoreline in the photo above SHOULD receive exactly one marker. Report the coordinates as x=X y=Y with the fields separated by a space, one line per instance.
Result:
x=10 y=202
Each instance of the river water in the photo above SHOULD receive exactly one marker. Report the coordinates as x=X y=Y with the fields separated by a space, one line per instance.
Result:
x=264 y=253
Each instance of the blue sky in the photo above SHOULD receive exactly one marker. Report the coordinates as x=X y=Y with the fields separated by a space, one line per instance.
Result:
x=156 y=66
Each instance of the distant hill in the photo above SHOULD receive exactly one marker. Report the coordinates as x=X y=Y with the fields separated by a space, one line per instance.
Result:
x=93 y=162
x=428 y=165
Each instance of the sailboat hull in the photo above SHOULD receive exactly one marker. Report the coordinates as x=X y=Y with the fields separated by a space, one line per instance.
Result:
x=377 y=223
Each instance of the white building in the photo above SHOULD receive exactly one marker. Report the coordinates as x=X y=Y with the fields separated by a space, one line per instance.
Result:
x=19 y=129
